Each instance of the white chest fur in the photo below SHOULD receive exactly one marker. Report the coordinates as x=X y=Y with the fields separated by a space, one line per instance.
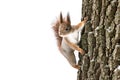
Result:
x=73 y=37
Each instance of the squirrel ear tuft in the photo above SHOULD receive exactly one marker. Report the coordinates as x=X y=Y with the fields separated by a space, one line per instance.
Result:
x=61 y=17
x=68 y=19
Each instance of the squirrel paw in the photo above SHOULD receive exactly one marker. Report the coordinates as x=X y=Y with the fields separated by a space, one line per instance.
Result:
x=86 y=18
x=82 y=51
x=76 y=66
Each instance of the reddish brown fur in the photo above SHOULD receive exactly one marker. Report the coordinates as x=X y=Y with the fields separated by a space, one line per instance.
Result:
x=56 y=28
x=61 y=28
x=56 y=31
x=74 y=46
x=81 y=23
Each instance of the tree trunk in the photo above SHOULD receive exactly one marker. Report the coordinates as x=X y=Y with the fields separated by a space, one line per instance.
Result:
x=101 y=41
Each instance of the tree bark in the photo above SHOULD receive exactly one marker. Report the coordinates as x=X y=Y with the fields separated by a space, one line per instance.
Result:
x=101 y=41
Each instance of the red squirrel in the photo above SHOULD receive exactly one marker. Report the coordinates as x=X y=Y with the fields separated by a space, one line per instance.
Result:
x=67 y=38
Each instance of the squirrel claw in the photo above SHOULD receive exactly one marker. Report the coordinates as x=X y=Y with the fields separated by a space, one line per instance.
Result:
x=82 y=51
x=76 y=66
x=86 y=18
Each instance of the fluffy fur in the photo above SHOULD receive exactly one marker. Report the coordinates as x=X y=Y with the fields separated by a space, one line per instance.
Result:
x=67 y=38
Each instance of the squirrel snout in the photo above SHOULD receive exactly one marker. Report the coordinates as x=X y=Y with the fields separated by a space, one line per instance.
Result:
x=60 y=34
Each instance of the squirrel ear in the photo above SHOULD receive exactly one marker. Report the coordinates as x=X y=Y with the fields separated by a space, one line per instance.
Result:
x=68 y=19
x=61 y=18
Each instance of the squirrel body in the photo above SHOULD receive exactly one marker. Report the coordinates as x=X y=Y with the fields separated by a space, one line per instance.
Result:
x=67 y=38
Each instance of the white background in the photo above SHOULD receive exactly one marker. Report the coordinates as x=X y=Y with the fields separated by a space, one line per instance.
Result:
x=28 y=48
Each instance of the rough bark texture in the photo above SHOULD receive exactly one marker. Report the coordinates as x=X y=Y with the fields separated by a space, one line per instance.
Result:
x=101 y=41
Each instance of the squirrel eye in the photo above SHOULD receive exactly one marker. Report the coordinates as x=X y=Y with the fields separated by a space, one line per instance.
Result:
x=67 y=28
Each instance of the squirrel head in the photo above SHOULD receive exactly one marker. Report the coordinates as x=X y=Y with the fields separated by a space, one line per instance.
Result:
x=65 y=26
